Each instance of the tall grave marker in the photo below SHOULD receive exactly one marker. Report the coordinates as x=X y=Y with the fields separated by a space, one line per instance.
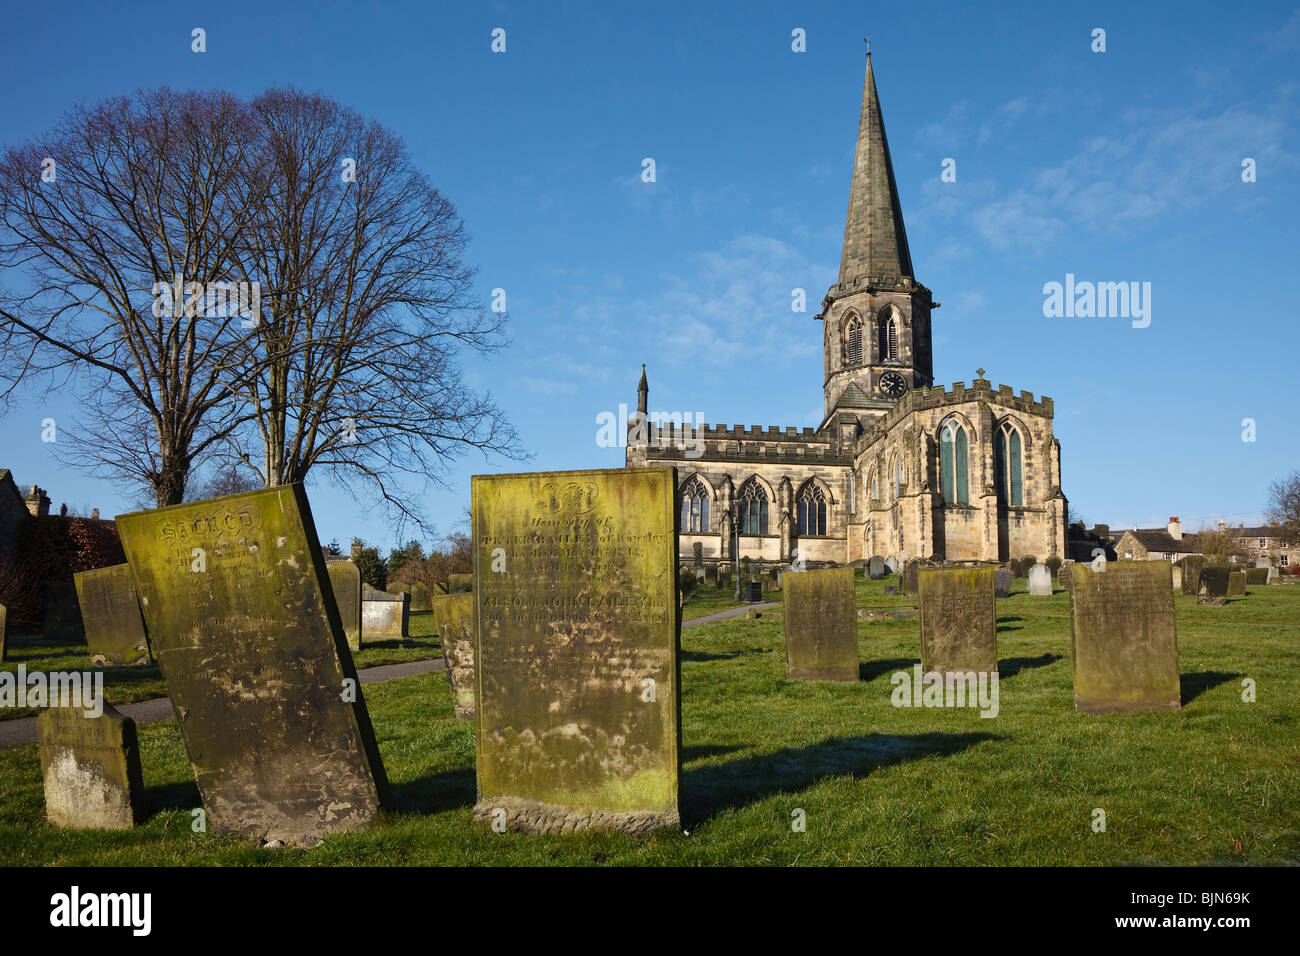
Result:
x=821 y=625
x=959 y=631
x=454 y=619
x=345 y=581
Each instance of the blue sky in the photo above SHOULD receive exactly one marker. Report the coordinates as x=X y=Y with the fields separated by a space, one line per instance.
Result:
x=1115 y=166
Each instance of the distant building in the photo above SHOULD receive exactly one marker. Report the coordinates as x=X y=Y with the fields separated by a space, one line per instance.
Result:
x=1155 y=544
x=1270 y=542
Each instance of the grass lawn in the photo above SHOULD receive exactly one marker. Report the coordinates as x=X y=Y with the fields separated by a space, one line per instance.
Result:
x=126 y=685
x=710 y=600
x=1214 y=783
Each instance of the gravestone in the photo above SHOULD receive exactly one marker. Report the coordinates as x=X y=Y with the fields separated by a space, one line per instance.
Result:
x=1236 y=584
x=909 y=577
x=248 y=637
x=1212 y=588
x=821 y=626
x=345 y=583
x=1002 y=583
x=958 y=620
x=1177 y=578
x=460 y=583
x=752 y=591
x=454 y=615
x=110 y=611
x=1040 y=581
x=385 y=615
x=420 y=597
x=1191 y=566
x=892 y=565
x=876 y=568
x=1064 y=574
x=891 y=589
x=1124 y=639
x=711 y=575
x=62 y=621
x=1256 y=576
x=697 y=554
x=576 y=650
x=91 y=769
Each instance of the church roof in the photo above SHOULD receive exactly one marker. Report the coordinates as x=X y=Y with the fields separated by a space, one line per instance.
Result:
x=853 y=397
x=875 y=242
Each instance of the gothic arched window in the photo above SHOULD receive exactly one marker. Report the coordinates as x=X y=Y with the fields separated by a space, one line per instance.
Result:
x=898 y=477
x=953 y=464
x=853 y=341
x=1006 y=466
x=810 y=508
x=695 y=506
x=751 y=508
x=887 y=325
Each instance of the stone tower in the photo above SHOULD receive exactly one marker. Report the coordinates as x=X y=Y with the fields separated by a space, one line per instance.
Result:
x=877 y=316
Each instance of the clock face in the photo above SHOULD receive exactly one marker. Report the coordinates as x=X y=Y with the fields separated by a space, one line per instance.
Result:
x=893 y=384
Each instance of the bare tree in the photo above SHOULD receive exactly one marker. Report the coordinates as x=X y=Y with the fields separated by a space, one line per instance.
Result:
x=1284 y=505
x=1217 y=546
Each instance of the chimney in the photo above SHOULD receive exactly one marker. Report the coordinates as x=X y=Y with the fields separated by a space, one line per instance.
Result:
x=94 y=514
x=38 y=504
x=63 y=510
x=1175 y=528
x=1220 y=525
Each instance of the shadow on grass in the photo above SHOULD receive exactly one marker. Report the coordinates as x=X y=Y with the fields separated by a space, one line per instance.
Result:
x=699 y=657
x=1014 y=665
x=419 y=643
x=172 y=796
x=873 y=669
x=709 y=790
x=435 y=793
x=704 y=751
x=1197 y=683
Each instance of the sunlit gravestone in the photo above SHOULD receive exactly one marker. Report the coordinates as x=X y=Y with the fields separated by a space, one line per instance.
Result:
x=1212 y=585
x=345 y=581
x=454 y=619
x=1236 y=584
x=959 y=631
x=821 y=626
x=244 y=626
x=385 y=616
x=90 y=768
x=576 y=650
x=110 y=611
x=1124 y=638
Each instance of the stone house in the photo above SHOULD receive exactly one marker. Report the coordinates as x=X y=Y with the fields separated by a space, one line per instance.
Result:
x=1155 y=544
x=1269 y=541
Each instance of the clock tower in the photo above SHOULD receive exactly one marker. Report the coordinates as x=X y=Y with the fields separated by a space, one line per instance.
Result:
x=877 y=316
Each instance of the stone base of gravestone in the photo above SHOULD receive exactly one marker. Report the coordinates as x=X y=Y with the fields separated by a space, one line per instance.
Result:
x=959 y=631
x=420 y=597
x=1040 y=581
x=62 y=621
x=876 y=568
x=91 y=769
x=1002 y=583
x=454 y=618
x=1236 y=584
x=385 y=616
x=460 y=583
x=1212 y=587
x=345 y=585
x=821 y=626
x=1124 y=638
x=1191 y=565
x=110 y=612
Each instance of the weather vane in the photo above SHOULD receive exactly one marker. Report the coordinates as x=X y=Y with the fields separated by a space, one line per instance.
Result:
x=867 y=41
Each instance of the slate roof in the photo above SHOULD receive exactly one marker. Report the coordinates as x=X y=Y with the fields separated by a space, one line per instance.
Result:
x=1159 y=539
x=853 y=397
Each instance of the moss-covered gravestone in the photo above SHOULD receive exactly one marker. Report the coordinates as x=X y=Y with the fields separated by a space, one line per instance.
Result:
x=91 y=769
x=115 y=633
x=1212 y=586
x=460 y=583
x=821 y=626
x=236 y=597
x=1191 y=566
x=420 y=597
x=62 y=620
x=959 y=631
x=1002 y=583
x=454 y=619
x=345 y=582
x=909 y=577
x=1236 y=584
x=1256 y=576
x=385 y=616
x=576 y=650
x=1124 y=639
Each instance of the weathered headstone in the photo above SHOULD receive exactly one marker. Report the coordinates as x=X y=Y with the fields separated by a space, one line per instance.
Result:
x=892 y=565
x=697 y=554
x=959 y=629
x=1177 y=578
x=909 y=577
x=1256 y=576
x=420 y=597
x=576 y=650
x=91 y=769
x=1212 y=586
x=821 y=626
x=243 y=624
x=110 y=611
x=454 y=618
x=876 y=568
x=1124 y=639
x=1064 y=574
x=1191 y=566
x=1002 y=583
x=460 y=583
x=711 y=575
x=62 y=621
x=345 y=583
x=1236 y=584
x=752 y=592
x=385 y=615
x=1040 y=581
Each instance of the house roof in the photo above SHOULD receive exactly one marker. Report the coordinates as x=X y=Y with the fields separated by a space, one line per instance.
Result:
x=1159 y=539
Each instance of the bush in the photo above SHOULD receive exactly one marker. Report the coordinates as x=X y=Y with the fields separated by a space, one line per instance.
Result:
x=373 y=568
x=1027 y=562
x=1054 y=566
x=686 y=582
x=1016 y=569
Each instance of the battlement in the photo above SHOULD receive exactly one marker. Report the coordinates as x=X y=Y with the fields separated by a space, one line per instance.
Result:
x=937 y=397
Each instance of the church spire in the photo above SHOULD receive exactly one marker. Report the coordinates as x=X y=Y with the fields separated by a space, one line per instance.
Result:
x=642 y=393
x=875 y=243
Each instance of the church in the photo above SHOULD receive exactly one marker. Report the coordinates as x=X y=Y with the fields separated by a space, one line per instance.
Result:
x=899 y=467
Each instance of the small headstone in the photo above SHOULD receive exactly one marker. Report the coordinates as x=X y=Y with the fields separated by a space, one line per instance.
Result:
x=1212 y=588
x=958 y=620
x=909 y=577
x=1124 y=639
x=891 y=589
x=1256 y=576
x=460 y=583
x=697 y=554
x=110 y=611
x=576 y=650
x=62 y=621
x=420 y=597
x=1178 y=578
x=248 y=637
x=1002 y=583
x=876 y=568
x=711 y=575
x=454 y=616
x=753 y=592
x=345 y=583
x=1236 y=584
x=91 y=769
x=1040 y=581
x=1191 y=566
x=892 y=565
x=385 y=615
x=821 y=626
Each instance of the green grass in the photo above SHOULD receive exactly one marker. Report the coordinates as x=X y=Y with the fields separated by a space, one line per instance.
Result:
x=1213 y=783
x=126 y=685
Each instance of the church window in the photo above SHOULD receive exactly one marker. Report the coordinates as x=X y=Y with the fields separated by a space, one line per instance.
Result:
x=853 y=341
x=852 y=491
x=695 y=506
x=751 y=508
x=1007 y=466
x=811 y=510
x=898 y=477
x=888 y=337
x=953 y=464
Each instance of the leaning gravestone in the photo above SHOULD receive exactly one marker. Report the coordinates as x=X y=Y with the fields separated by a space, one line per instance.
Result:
x=1212 y=588
x=876 y=568
x=460 y=583
x=1040 y=581
x=1191 y=566
x=1124 y=639
x=1236 y=584
x=454 y=615
x=385 y=616
x=1002 y=583
x=345 y=582
x=110 y=610
x=959 y=629
x=821 y=626
x=91 y=769
x=243 y=624
x=62 y=621
x=576 y=650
